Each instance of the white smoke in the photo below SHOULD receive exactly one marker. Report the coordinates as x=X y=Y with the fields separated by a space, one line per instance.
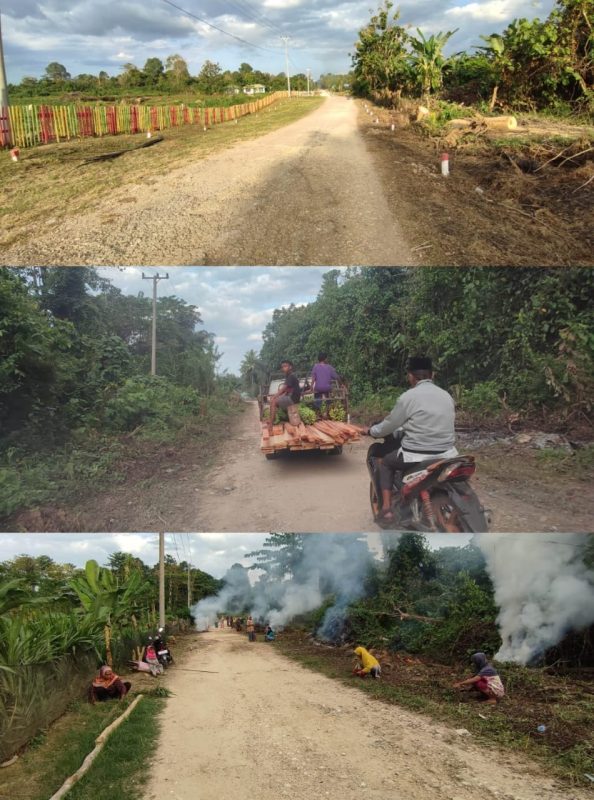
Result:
x=543 y=590
x=330 y=565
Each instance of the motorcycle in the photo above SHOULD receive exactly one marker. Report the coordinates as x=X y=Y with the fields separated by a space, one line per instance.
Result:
x=428 y=496
x=163 y=652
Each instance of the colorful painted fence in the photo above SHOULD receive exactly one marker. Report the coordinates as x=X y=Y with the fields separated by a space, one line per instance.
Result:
x=27 y=126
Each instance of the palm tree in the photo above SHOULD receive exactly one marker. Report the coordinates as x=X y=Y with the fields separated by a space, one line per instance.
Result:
x=495 y=48
x=428 y=59
x=252 y=370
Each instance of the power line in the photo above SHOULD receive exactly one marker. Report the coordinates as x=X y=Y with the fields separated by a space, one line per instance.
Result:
x=255 y=16
x=216 y=27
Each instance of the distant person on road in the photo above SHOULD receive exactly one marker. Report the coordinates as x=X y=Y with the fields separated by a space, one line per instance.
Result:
x=367 y=664
x=251 y=629
x=322 y=375
x=107 y=686
x=424 y=418
x=289 y=393
x=486 y=680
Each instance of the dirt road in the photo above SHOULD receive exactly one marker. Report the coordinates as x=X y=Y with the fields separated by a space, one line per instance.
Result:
x=308 y=193
x=263 y=727
x=234 y=488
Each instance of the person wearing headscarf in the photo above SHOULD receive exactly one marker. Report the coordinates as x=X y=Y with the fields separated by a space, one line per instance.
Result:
x=107 y=686
x=486 y=679
x=269 y=635
x=152 y=659
x=368 y=664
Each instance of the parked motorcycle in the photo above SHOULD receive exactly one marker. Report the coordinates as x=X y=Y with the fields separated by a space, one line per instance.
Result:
x=163 y=652
x=428 y=496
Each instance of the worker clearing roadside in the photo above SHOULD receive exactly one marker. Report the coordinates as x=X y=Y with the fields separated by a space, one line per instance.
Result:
x=486 y=680
x=367 y=664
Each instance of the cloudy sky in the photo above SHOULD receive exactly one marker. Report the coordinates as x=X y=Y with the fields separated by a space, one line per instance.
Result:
x=212 y=552
x=235 y=303
x=94 y=35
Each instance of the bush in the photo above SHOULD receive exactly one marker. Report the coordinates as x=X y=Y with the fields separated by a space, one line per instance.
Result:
x=154 y=403
x=482 y=400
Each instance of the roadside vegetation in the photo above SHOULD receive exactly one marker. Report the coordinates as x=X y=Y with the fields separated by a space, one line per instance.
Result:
x=532 y=66
x=423 y=612
x=76 y=397
x=58 y=623
x=513 y=346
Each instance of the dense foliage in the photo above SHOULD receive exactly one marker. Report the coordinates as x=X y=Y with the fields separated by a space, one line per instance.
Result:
x=532 y=64
x=155 y=77
x=74 y=369
x=499 y=338
x=58 y=622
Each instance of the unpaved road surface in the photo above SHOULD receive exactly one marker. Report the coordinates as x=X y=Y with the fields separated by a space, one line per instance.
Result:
x=264 y=727
x=234 y=488
x=306 y=194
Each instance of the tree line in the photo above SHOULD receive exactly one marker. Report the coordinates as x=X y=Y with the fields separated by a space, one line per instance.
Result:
x=533 y=64
x=75 y=376
x=171 y=76
x=499 y=338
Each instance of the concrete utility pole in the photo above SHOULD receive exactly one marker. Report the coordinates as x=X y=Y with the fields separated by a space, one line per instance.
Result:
x=161 y=580
x=155 y=279
x=308 y=75
x=189 y=585
x=5 y=135
x=285 y=39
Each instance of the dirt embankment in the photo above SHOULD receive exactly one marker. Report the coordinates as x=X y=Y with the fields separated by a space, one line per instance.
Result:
x=510 y=205
x=259 y=725
x=235 y=489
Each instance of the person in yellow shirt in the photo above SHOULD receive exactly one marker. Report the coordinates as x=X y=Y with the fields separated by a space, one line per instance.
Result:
x=368 y=664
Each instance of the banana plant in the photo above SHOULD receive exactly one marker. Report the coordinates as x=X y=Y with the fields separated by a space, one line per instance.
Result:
x=495 y=49
x=104 y=598
x=428 y=60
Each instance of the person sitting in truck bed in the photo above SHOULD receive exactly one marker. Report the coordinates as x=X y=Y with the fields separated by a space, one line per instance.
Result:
x=322 y=375
x=289 y=393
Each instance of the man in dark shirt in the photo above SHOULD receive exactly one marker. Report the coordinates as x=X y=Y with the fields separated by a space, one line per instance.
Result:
x=288 y=394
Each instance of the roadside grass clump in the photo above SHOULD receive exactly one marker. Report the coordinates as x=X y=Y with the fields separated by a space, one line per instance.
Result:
x=578 y=463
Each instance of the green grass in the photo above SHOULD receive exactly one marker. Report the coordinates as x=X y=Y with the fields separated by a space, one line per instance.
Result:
x=92 y=461
x=579 y=464
x=120 y=767
x=568 y=763
x=49 y=183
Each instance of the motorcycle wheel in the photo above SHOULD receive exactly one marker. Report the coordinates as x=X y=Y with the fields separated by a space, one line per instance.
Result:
x=447 y=518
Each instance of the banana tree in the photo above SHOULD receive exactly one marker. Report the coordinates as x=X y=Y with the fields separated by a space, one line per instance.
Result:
x=495 y=49
x=428 y=60
x=104 y=598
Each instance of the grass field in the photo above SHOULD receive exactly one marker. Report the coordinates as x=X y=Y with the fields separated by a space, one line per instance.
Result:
x=49 y=182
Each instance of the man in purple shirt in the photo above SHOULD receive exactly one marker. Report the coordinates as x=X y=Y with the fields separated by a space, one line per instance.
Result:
x=322 y=376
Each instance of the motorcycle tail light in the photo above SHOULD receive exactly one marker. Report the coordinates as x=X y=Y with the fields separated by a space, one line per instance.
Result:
x=457 y=471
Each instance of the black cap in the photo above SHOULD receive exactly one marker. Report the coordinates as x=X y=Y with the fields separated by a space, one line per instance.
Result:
x=419 y=363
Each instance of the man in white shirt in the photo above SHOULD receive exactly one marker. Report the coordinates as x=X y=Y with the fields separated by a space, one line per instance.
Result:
x=425 y=414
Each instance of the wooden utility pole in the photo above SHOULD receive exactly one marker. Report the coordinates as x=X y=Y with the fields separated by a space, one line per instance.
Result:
x=161 y=580
x=189 y=585
x=5 y=133
x=155 y=279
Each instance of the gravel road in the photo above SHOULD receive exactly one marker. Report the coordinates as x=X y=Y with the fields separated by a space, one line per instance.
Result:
x=264 y=727
x=306 y=194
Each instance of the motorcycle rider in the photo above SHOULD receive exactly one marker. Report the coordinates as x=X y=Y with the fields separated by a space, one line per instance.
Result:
x=424 y=416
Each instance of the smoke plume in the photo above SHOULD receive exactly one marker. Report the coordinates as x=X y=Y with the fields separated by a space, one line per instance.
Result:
x=328 y=565
x=543 y=589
